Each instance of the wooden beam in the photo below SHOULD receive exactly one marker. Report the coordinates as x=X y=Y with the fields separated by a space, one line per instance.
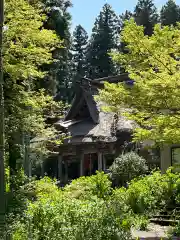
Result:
x=100 y=161
x=81 y=164
x=117 y=78
x=104 y=162
x=111 y=79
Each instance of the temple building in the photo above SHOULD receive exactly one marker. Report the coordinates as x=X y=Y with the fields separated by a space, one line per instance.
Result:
x=94 y=137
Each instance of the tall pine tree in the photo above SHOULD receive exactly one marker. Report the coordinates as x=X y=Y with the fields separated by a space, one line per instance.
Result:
x=145 y=14
x=59 y=20
x=170 y=13
x=125 y=16
x=103 y=40
x=79 y=50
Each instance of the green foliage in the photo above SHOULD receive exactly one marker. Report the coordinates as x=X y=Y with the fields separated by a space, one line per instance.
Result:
x=87 y=187
x=26 y=48
x=170 y=13
x=146 y=194
x=126 y=167
x=96 y=212
x=17 y=200
x=151 y=193
x=79 y=51
x=123 y=18
x=54 y=215
x=71 y=220
x=154 y=98
x=141 y=222
x=102 y=41
x=7 y=176
x=175 y=232
x=145 y=14
x=41 y=189
x=58 y=19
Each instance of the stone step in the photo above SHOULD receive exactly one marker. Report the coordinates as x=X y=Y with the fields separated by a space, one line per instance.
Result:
x=173 y=208
x=143 y=235
x=164 y=222
x=163 y=216
x=170 y=212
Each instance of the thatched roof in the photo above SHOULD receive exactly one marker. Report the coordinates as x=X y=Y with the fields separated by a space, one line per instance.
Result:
x=86 y=122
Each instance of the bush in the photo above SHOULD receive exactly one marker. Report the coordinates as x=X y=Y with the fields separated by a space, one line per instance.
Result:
x=40 y=188
x=71 y=219
x=89 y=208
x=175 y=231
x=24 y=193
x=146 y=195
x=86 y=187
x=126 y=167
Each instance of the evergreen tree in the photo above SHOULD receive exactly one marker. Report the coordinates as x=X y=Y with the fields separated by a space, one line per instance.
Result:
x=79 y=49
x=170 y=13
x=59 y=20
x=145 y=14
x=103 y=40
x=123 y=17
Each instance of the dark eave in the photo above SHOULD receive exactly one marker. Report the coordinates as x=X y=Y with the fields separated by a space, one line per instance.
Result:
x=113 y=79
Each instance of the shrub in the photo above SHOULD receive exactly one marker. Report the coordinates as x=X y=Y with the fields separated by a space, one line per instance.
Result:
x=89 y=208
x=173 y=186
x=40 y=188
x=85 y=187
x=148 y=194
x=17 y=200
x=140 y=222
x=175 y=231
x=126 y=167
x=68 y=215
x=71 y=219
x=24 y=193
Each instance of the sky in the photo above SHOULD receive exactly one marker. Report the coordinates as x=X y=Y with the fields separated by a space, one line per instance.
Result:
x=84 y=12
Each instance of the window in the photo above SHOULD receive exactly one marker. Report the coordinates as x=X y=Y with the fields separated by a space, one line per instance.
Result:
x=175 y=156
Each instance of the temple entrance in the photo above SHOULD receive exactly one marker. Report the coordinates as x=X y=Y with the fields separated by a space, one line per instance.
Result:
x=90 y=164
x=73 y=167
x=50 y=167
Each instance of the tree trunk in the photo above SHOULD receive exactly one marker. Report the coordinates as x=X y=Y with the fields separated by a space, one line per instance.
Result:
x=27 y=161
x=2 y=145
x=14 y=154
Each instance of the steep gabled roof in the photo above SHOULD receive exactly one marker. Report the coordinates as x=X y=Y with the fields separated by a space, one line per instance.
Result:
x=86 y=122
x=84 y=98
x=83 y=101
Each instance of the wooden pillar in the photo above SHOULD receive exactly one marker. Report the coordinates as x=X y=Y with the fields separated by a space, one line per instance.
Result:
x=104 y=162
x=66 y=171
x=42 y=165
x=42 y=169
x=59 y=167
x=30 y=169
x=81 y=164
x=100 y=161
